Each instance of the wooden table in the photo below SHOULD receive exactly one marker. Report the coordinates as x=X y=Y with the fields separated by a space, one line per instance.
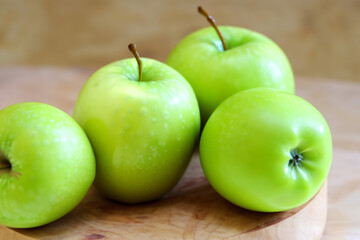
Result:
x=339 y=102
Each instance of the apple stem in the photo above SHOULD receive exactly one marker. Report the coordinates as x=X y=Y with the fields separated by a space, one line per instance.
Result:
x=132 y=48
x=211 y=20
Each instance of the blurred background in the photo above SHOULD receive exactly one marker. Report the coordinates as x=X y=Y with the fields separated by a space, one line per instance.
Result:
x=320 y=37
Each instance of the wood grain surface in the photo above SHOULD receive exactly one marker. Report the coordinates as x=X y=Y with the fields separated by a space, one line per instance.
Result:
x=193 y=210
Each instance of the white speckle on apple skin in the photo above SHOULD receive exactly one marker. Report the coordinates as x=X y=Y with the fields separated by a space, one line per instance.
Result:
x=143 y=111
x=166 y=114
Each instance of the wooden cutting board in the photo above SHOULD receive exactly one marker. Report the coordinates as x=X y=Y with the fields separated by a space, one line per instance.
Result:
x=192 y=210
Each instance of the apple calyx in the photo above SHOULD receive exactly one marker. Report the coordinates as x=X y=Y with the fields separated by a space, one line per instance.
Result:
x=6 y=168
x=295 y=158
x=211 y=20
x=5 y=165
x=133 y=50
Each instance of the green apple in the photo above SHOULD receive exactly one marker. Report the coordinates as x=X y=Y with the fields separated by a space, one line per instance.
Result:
x=143 y=126
x=266 y=150
x=46 y=164
x=250 y=60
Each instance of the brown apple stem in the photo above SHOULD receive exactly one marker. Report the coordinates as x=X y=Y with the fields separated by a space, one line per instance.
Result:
x=211 y=20
x=132 y=48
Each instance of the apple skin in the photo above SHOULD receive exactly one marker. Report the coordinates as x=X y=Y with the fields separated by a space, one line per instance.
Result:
x=248 y=141
x=52 y=164
x=252 y=60
x=143 y=132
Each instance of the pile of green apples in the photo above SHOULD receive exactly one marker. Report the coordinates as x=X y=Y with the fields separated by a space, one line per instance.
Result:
x=137 y=122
